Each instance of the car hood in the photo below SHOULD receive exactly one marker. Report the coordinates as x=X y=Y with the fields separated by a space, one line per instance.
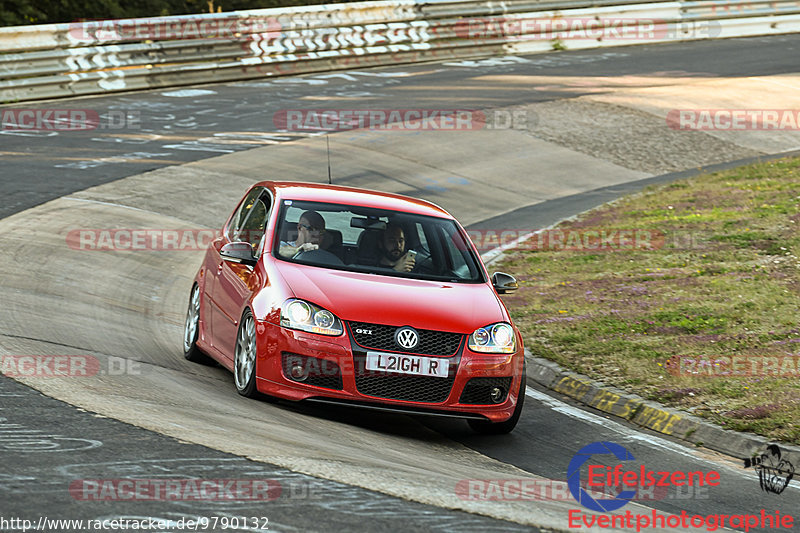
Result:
x=354 y=296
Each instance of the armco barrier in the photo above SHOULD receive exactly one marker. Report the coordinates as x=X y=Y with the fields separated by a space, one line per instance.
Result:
x=95 y=57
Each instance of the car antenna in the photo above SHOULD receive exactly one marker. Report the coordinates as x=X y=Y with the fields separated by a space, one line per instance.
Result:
x=328 y=143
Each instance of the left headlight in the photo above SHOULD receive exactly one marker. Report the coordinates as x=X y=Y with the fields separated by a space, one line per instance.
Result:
x=495 y=338
x=305 y=316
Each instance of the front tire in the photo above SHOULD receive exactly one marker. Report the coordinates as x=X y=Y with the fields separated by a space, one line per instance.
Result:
x=485 y=427
x=191 y=330
x=244 y=361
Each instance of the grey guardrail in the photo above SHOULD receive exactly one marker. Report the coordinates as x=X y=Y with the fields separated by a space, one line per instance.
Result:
x=81 y=58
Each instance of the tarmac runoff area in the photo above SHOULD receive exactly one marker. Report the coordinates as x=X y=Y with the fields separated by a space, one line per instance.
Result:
x=131 y=304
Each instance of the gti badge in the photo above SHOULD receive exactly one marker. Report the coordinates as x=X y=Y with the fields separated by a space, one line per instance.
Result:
x=406 y=337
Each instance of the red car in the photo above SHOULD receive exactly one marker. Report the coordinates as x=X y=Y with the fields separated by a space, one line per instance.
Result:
x=356 y=297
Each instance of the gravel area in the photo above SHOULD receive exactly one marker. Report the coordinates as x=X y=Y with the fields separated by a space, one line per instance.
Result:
x=628 y=137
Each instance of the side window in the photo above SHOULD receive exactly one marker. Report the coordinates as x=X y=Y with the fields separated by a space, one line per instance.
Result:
x=237 y=220
x=250 y=221
x=421 y=238
x=457 y=250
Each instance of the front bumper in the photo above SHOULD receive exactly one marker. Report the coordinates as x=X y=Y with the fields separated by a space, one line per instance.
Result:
x=334 y=371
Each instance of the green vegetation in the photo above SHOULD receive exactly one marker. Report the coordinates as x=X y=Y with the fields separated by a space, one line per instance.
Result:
x=22 y=12
x=718 y=278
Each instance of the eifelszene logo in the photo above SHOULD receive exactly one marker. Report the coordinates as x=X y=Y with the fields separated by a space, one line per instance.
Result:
x=638 y=477
x=601 y=476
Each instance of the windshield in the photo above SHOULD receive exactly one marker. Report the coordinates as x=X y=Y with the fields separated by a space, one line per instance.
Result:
x=377 y=241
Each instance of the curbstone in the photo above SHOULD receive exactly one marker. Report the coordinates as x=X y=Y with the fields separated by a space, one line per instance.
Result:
x=616 y=404
x=574 y=386
x=667 y=421
x=542 y=371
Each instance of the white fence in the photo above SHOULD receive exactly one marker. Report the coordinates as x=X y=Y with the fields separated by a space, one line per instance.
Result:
x=56 y=60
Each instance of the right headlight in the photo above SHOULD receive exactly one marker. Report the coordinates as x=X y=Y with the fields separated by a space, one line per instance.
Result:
x=495 y=338
x=305 y=316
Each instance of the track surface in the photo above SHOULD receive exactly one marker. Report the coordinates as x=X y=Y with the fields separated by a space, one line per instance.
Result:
x=183 y=129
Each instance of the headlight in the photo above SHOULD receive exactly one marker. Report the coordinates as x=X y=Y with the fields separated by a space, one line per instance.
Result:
x=305 y=316
x=496 y=338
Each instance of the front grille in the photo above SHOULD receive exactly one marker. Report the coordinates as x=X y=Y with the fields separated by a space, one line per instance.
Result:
x=320 y=372
x=476 y=391
x=410 y=388
x=382 y=338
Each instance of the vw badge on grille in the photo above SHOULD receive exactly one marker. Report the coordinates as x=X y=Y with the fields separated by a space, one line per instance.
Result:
x=407 y=338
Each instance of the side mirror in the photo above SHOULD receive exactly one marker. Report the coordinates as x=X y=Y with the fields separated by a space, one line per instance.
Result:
x=238 y=252
x=504 y=283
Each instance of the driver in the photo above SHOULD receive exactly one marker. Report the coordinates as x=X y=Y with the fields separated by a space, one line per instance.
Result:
x=393 y=252
x=310 y=230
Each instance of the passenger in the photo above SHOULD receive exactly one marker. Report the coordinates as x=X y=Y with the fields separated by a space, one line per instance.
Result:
x=393 y=252
x=310 y=230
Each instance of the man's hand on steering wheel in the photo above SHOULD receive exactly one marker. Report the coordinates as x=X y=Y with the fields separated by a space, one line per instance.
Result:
x=305 y=247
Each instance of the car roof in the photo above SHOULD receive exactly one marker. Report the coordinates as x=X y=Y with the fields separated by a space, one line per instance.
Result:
x=338 y=194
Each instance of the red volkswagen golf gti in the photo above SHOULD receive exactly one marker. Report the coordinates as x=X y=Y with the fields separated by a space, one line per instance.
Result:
x=356 y=297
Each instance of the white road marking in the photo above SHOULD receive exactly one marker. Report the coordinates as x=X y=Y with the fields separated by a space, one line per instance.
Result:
x=188 y=92
x=775 y=82
x=90 y=201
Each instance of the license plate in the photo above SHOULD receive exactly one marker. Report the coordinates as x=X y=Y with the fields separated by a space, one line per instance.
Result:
x=408 y=364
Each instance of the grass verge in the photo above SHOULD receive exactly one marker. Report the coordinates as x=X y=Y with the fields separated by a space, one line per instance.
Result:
x=687 y=294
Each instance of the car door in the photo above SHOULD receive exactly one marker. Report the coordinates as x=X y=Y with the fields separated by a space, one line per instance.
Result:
x=235 y=283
